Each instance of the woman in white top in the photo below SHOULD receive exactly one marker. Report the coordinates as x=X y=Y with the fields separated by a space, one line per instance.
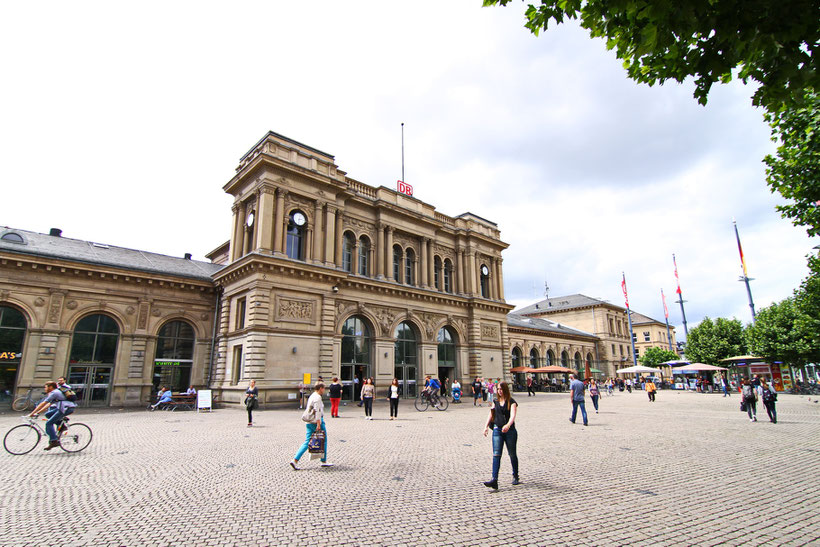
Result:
x=393 y=397
x=317 y=408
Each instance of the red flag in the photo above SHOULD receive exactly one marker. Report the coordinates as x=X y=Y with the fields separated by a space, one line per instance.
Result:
x=623 y=286
x=665 y=309
x=676 y=273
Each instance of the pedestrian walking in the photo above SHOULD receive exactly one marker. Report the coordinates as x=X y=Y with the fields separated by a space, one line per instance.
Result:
x=251 y=402
x=484 y=384
x=724 y=382
x=576 y=394
x=491 y=391
x=368 y=392
x=302 y=390
x=749 y=399
x=314 y=417
x=769 y=396
x=502 y=419
x=476 y=386
x=650 y=390
x=335 y=397
x=594 y=393
x=530 y=390
x=629 y=385
x=393 y=397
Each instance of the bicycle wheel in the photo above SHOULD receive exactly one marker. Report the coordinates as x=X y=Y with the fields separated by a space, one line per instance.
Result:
x=21 y=439
x=76 y=437
x=421 y=404
x=442 y=403
x=21 y=403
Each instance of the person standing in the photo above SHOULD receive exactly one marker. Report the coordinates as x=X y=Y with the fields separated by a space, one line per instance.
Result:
x=502 y=416
x=393 y=397
x=315 y=412
x=629 y=385
x=724 y=383
x=476 y=385
x=302 y=389
x=769 y=396
x=335 y=397
x=368 y=392
x=650 y=390
x=251 y=402
x=594 y=393
x=490 y=391
x=576 y=394
x=530 y=391
x=750 y=398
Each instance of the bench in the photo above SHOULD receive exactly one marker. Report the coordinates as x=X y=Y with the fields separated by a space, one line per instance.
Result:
x=179 y=402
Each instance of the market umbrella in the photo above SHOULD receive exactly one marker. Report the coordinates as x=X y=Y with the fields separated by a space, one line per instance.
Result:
x=675 y=363
x=522 y=369
x=636 y=369
x=555 y=370
x=697 y=367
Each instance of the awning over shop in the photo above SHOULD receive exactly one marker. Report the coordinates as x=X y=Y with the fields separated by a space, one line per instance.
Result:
x=554 y=370
x=522 y=369
x=637 y=369
x=697 y=367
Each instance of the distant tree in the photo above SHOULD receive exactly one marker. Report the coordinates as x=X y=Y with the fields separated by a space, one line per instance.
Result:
x=781 y=332
x=653 y=357
x=712 y=341
x=769 y=41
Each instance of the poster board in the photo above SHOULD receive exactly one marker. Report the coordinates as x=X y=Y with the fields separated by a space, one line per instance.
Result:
x=306 y=379
x=204 y=400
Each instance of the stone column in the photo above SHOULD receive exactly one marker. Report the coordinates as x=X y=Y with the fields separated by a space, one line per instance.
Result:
x=491 y=287
x=310 y=233
x=423 y=261
x=338 y=255
x=388 y=255
x=264 y=218
x=469 y=274
x=279 y=221
x=354 y=258
x=317 y=233
x=499 y=277
x=330 y=231
x=380 y=252
x=235 y=231
x=431 y=262
x=460 y=271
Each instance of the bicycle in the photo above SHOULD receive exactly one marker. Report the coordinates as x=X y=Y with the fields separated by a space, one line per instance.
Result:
x=23 y=438
x=24 y=402
x=424 y=400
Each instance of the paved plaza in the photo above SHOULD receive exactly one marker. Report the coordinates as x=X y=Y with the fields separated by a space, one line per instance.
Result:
x=689 y=469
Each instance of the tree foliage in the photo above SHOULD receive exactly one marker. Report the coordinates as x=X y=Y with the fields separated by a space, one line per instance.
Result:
x=712 y=341
x=653 y=357
x=767 y=41
x=782 y=332
x=795 y=170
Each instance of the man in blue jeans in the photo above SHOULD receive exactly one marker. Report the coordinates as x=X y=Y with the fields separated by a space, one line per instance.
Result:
x=60 y=407
x=576 y=393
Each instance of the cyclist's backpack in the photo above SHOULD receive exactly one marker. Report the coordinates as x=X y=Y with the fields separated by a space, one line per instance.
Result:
x=68 y=393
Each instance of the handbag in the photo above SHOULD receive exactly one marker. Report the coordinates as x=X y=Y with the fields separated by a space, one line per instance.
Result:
x=309 y=415
x=316 y=443
x=743 y=406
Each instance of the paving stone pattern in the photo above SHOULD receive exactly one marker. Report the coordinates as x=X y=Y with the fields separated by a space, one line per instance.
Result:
x=689 y=469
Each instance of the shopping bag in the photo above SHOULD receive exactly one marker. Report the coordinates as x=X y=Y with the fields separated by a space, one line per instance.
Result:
x=316 y=444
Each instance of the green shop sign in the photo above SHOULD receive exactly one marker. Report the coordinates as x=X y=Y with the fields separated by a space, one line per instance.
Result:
x=167 y=363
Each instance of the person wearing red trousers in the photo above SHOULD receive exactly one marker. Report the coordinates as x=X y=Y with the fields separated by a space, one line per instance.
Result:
x=335 y=397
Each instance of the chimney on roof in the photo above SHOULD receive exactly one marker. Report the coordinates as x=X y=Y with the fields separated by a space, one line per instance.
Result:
x=537 y=306
x=56 y=232
x=187 y=256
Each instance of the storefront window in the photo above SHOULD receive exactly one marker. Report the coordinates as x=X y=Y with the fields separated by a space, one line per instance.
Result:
x=174 y=356
x=12 y=337
x=92 y=358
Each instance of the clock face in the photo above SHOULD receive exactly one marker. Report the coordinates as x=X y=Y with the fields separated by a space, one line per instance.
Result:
x=299 y=219
x=250 y=219
x=485 y=270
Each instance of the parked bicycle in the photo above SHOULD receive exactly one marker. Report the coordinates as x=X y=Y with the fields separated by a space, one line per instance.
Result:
x=22 y=439
x=26 y=401
x=425 y=400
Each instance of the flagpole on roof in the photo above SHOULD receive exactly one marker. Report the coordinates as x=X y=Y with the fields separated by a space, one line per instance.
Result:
x=745 y=277
x=680 y=299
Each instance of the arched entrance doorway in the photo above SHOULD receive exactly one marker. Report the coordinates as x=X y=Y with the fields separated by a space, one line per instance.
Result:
x=446 y=355
x=12 y=336
x=174 y=356
x=92 y=358
x=406 y=359
x=355 y=360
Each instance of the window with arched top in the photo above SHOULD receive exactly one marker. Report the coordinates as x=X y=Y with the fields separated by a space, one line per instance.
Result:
x=355 y=356
x=12 y=335
x=448 y=275
x=410 y=267
x=174 y=356
x=589 y=360
x=437 y=273
x=95 y=340
x=405 y=356
x=485 y=281
x=364 y=255
x=296 y=236
x=516 y=357
x=578 y=361
x=564 y=359
x=348 y=241
x=12 y=237
x=550 y=358
x=534 y=357
x=398 y=254
x=446 y=347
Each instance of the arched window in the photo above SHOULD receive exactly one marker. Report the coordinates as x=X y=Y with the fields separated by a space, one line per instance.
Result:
x=446 y=351
x=564 y=359
x=174 y=356
x=485 y=281
x=550 y=358
x=410 y=267
x=12 y=337
x=589 y=360
x=397 y=269
x=12 y=237
x=578 y=362
x=437 y=273
x=516 y=357
x=297 y=226
x=364 y=256
x=355 y=358
x=92 y=358
x=348 y=241
x=534 y=357
x=448 y=275
x=406 y=358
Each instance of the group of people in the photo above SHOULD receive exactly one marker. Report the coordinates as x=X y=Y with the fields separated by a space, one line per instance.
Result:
x=484 y=389
x=59 y=406
x=758 y=389
x=165 y=395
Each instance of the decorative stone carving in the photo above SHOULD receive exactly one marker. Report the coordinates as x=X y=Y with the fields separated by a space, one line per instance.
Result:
x=489 y=332
x=156 y=312
x=55 y=307
x=431 y=321
x=130 y=310
x=40 y=302
x=461 y=324
x=295 y=310
x=203 y=316
x=360 y=227
x=444 y=252
x=305 y=205
x=142 y=318
x=71 y=305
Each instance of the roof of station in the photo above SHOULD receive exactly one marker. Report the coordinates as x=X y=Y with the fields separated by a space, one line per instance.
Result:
x=561 y=303
x=545 y=325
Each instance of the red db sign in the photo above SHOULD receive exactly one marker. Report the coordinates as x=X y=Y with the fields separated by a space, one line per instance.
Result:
x=405 y=188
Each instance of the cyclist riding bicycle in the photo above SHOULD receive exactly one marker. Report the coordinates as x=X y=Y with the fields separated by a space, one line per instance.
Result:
x=59 y=408
x=431 y=388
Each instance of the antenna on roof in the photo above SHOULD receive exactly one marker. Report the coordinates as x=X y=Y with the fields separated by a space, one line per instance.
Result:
x=546 y=290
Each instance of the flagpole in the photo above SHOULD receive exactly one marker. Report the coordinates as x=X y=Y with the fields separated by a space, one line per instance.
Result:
x=629 y=316
x=402 y=152
x=666 y=316
x=745 y=277
x=680 y=298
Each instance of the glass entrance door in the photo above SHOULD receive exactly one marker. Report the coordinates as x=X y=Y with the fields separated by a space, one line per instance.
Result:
x=92 y=383
x=406 y=375
x=352 y=380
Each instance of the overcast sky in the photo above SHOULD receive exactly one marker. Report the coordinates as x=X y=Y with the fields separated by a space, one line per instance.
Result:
x=121 y=123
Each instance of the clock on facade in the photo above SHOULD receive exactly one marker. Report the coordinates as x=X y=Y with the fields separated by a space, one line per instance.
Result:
x=250 y=219
x=485 y=270
x=299 y=219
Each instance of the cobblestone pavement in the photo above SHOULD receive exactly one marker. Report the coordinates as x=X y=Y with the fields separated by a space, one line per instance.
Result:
x=689 y=469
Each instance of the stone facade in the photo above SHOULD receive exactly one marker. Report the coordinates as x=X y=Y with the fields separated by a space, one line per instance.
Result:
x=651 y=333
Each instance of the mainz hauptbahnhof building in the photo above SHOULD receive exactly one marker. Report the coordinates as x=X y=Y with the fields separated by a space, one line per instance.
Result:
x=322 y=274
